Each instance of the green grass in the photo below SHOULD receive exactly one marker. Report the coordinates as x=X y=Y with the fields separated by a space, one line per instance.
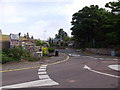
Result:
x=6 y=38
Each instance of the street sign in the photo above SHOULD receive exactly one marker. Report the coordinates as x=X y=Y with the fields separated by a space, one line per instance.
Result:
x=14 y=36
x=14 y=40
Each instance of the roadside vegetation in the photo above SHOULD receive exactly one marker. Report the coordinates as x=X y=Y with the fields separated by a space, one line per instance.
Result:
x=16 y=54
x=6 y=38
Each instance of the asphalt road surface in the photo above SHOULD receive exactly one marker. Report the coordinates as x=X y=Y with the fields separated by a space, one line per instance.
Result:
x=69 y=74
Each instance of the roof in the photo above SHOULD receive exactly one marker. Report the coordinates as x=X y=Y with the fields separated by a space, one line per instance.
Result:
x=57 y=39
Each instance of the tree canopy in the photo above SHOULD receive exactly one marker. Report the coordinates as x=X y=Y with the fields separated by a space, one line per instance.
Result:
x=61 y=34
x=97 y=27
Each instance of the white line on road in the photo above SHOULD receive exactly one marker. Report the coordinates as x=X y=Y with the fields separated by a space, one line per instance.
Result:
x=44 y=66
x=42 y=72
x=44 y=77
x=74 y=55
x=44 y=82
x=96 y=58
x=88 y=68
x=100 y=58
x=41 y=69
x=115 y=59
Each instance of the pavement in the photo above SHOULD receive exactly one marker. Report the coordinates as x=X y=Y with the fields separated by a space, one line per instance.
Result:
x=27 y=64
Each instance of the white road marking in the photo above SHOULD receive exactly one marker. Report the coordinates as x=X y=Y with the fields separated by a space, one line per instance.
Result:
x=45 y=82
x=115 y=67
x=44 y=77
x=42 y=72
x=96 y=58
x=115 y=59
x=88 y=68
x=74 y=55
x=89 y=57
x=101 y=58
x=41 y=69
x=44 y=66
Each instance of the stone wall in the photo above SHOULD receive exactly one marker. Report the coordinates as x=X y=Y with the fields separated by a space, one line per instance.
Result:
x=102 y=51
x=34 y=51
x=5 y=44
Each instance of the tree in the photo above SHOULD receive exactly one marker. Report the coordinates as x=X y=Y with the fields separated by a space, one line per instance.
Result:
x=19 y=34
x=32 y=37
x=114 y=6
x=61 y=34
x=97 y=27
x=50 y=40
x=87 y=23
x=113 y=24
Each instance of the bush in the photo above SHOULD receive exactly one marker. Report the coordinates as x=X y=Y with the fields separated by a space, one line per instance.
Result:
x=16 y=54
x=50 y=50
x=6 y=58
x=38 y=43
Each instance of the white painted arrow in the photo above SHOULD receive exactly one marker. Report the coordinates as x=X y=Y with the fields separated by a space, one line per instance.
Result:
x=88 y=68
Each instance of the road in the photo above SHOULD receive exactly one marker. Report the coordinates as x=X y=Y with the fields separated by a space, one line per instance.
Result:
x=68 y=74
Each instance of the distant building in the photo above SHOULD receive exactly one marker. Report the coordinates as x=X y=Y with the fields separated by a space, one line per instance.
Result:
x=57 y=41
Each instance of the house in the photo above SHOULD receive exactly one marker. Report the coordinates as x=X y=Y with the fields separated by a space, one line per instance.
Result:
x=58 y=41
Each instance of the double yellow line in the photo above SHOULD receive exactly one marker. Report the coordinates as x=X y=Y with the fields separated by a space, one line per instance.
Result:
x=67 y=58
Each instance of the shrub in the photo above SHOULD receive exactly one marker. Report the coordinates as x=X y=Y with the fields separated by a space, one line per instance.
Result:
x=38 y=43
x=6 y=58
x=15 y=54
x=50 y=50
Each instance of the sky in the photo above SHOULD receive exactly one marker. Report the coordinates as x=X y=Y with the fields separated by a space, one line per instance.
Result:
x=41 y=18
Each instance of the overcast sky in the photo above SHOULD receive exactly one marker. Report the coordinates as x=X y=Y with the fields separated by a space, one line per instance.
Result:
x=37 y=16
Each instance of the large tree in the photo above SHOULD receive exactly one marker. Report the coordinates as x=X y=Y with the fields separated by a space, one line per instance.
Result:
x=61 y=34
x=113 y=24
x=97 y=27
x=87 y=24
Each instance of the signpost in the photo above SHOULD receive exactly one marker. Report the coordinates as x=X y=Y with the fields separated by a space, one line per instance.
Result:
x=14 y=40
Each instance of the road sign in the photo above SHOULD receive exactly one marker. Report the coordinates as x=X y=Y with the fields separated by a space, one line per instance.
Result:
x=14 y=40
